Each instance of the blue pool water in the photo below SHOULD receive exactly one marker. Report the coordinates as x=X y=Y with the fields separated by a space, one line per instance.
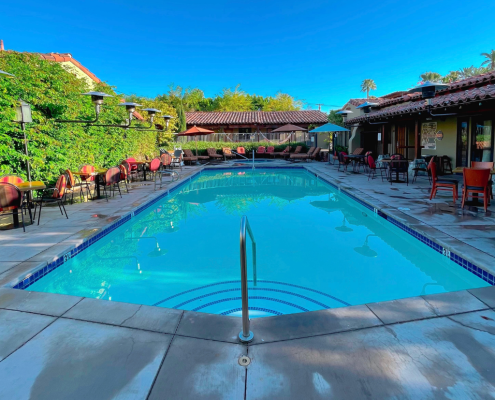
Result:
x=317 y=249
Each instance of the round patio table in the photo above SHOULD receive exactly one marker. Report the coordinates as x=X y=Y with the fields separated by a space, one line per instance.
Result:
x=27 y=187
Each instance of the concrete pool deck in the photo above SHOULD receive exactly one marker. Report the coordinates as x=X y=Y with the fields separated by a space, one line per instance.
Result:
x=59 y=347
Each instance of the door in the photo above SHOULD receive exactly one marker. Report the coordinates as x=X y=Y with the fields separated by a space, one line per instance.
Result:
x=401 y=140
x=462 y=142
x=369 y=142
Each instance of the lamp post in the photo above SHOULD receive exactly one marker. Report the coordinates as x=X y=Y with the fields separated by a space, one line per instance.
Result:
x=23 y=116
x=428 y=91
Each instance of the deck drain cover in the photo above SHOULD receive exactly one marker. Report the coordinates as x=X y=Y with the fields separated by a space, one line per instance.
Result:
x=244 y=361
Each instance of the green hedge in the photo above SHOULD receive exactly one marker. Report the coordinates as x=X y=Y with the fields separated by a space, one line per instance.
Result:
x=53 y=94
x=202 y=146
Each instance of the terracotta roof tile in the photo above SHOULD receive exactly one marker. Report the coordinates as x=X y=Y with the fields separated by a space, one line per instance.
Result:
x=256 y=117
x=67 y=57
x=443 y=99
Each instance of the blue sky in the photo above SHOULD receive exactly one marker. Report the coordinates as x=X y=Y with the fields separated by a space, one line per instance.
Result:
x=318 y=51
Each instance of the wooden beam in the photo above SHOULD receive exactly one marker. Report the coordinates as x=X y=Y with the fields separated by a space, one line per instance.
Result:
x=384 y=141
x=417 y=145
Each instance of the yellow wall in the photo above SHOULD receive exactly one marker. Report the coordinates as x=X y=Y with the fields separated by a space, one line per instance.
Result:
x=69 y=67
x=447 y=146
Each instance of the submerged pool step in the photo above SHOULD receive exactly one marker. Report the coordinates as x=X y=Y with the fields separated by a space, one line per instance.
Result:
x=266 y=298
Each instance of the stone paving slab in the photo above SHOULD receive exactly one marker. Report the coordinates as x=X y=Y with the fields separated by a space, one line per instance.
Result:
x=402 y=310
x=292 y=326
x=454 y=302
x=16 y=328
x=201 y=369
x=36 y=302
x=436 y=358
x=81 y=360
x=6 y=265
x=210 y=326
x=486 y=295
x=156 y=319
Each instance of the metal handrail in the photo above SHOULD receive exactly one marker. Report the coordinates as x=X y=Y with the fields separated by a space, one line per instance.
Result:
x=235 y=152
x=246 y=335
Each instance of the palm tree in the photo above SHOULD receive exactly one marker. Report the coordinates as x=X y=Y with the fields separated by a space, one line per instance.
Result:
x=367 y=85
x=452 y=76
x=467 y=72
x=490 y=60
x=430 y=76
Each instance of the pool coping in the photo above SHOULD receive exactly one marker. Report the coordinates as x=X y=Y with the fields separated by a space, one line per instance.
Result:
x=42 y=268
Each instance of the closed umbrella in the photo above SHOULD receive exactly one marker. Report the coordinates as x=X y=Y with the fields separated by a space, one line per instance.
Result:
x=195 y=131
x=290 y=129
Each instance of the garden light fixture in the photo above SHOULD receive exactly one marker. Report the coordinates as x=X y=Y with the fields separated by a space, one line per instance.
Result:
x=97 y=99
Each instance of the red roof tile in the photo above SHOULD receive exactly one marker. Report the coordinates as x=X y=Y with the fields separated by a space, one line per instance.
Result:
x=475 y=88
x=256 y=117
x=444 y=99
x=67 y=57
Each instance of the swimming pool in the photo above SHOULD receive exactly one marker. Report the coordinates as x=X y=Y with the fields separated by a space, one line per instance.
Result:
x=317 y=248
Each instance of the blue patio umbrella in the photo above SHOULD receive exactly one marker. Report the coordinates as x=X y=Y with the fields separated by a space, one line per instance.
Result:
x=329 y=128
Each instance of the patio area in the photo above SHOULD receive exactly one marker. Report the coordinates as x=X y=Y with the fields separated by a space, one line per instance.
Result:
x=57 y=347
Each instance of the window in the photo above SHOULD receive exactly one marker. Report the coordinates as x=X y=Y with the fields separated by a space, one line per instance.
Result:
x=482 y=140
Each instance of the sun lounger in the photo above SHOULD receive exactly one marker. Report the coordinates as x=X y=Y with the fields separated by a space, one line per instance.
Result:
x=213 y=153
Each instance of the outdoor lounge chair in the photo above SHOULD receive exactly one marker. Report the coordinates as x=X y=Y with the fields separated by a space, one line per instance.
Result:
x=241 y=151
x=305 y=156
x=270 y=150
x=189 y=157
x=283 y=153
x=315 y=153
x=177 y=159
x=11 y=201
x=57 y=196
x=213 y=153
x=111 y=180
x=261 y=150
x=297 y=150
x=227 y=152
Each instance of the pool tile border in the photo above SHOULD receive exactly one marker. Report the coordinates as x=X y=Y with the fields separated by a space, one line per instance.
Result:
x=469 y=266
x=31 y=278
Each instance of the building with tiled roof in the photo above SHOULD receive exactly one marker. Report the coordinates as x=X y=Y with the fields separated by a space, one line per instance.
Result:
x=403 y=124
x=260 y=123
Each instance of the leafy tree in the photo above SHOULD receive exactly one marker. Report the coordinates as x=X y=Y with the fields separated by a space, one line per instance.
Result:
x=472 y=71
x=367 y=85
x=490 y=60
x=181 y=118
x=430 y=76
x=335 y=118
x=55 y=93
x=233 y=100
x=258 y=103
x=283 y=102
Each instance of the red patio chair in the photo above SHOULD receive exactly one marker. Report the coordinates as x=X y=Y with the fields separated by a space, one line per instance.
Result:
x=441 y=184
x=11 y=179
x=111 y=179
x=270 y=150
x=72 y=184
x=343 y=160
x=373 y=168
x=57 y=196
x=155 y=166
x=476 y=182
x=166 y=160
x=11 y=201
x=87 y=179
x=124 y=175
x=261 y=150
x=485 y=165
